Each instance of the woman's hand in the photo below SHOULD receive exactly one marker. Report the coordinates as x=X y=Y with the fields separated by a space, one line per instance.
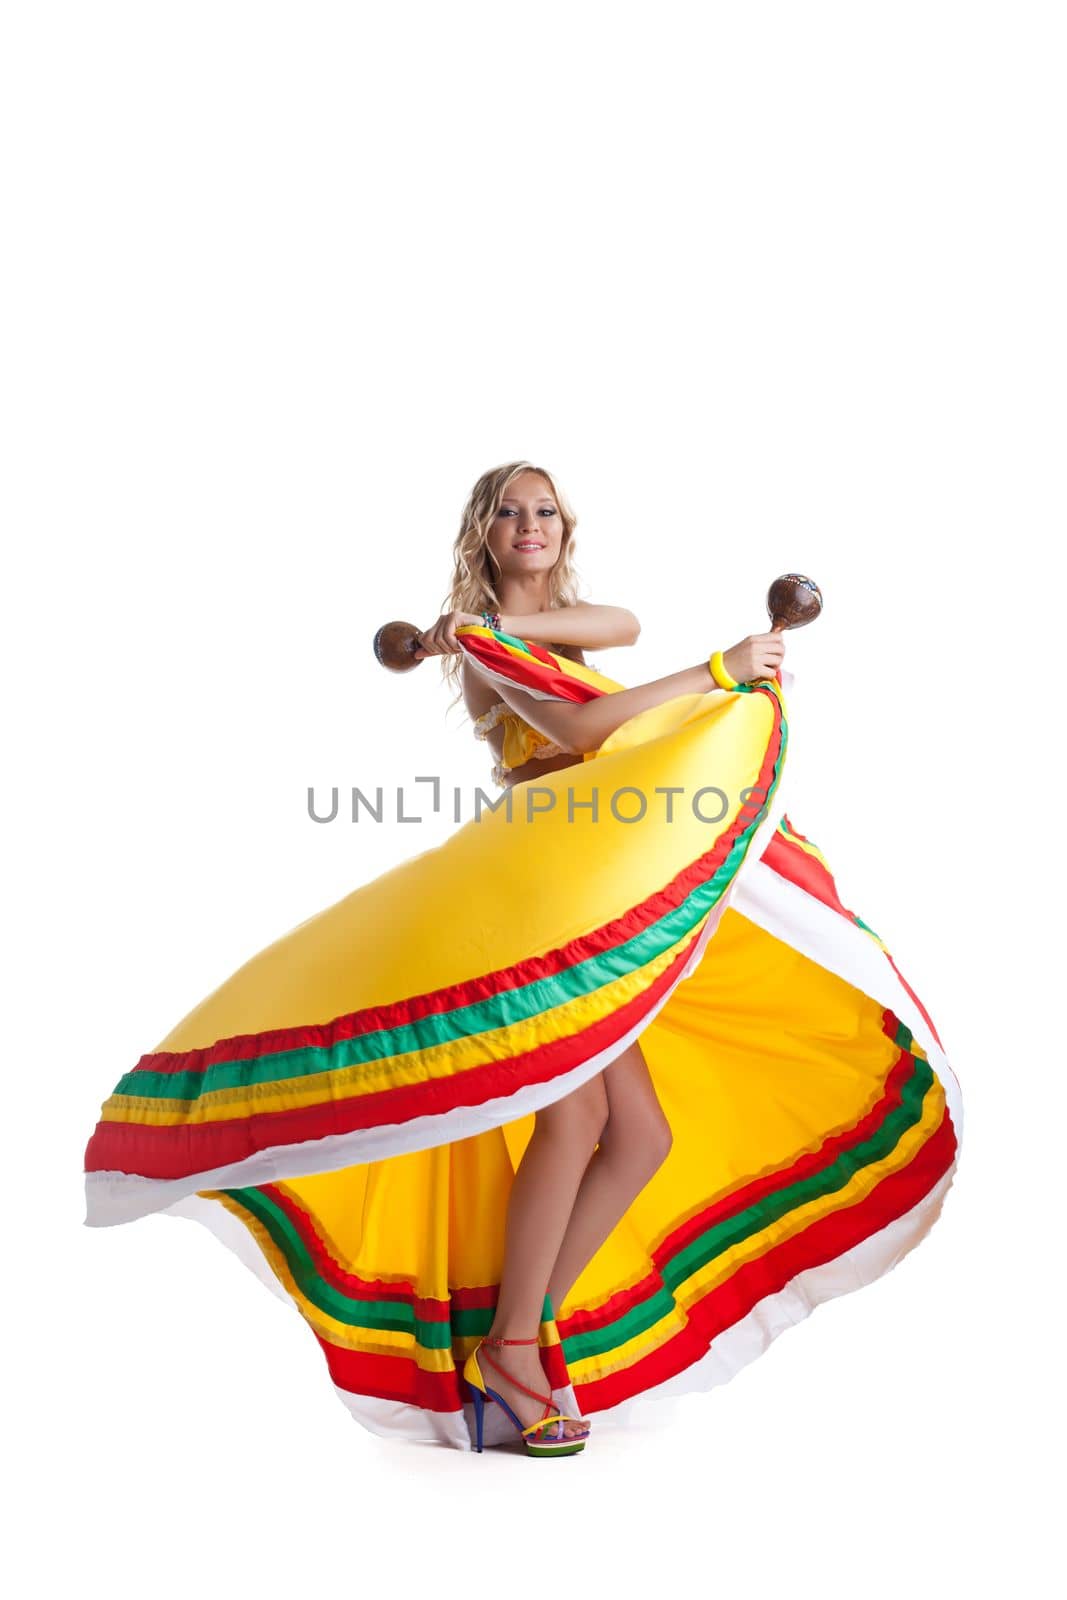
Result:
x=758 y=656
x=440 y=640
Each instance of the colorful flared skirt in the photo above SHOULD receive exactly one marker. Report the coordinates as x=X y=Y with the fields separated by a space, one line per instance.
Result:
x=348 y=1110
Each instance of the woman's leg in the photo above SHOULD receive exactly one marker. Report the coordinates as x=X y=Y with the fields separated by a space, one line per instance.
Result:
x=633 y=1146
x=538 y=1211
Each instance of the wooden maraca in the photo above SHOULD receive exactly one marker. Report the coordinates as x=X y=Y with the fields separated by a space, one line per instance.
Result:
x=395 y=644
x=792 y=601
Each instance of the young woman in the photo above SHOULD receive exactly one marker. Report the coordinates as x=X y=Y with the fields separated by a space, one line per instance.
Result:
x=586 y=1105
x=594 y=1151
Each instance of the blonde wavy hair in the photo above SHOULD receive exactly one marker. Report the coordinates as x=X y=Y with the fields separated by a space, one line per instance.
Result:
x=474 y=575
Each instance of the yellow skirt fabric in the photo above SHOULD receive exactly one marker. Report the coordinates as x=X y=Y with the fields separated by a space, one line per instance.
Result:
x=347 y=1112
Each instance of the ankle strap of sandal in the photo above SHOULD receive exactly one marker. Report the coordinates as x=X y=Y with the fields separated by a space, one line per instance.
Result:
x=545 y=1399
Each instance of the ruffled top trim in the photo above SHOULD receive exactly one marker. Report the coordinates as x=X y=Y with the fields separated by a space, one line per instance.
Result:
x=522 y=743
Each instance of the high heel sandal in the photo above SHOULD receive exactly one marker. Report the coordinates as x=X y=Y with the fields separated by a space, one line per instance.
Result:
x=556 y=1444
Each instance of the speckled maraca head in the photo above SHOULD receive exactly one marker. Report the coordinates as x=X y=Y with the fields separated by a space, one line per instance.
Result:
x=393 y=644
x=792 y=601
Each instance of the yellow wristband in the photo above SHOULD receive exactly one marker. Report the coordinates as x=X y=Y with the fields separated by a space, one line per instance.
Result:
x=719 y=672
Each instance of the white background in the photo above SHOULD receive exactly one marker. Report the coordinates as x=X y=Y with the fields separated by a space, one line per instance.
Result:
x=770 y=287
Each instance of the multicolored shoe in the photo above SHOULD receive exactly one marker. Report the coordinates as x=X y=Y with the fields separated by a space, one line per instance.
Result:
x=543 y=1438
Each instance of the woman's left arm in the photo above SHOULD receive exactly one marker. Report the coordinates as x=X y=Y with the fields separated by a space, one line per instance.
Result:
x=594 y=627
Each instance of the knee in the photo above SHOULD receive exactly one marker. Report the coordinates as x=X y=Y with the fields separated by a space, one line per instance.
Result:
x=644 y=1148
x=579 y=1117
x=660 y=1144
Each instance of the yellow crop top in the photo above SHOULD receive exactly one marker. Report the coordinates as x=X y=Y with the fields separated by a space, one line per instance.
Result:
x=521 y=742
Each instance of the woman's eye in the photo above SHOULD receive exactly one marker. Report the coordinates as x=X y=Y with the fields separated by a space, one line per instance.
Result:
x=546 y=512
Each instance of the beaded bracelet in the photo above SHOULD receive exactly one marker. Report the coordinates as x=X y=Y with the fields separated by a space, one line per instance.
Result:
x=492 y=620
x=719 y=672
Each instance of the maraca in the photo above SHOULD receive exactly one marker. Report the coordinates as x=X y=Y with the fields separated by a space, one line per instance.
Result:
x=792 y=601
x=394 y=646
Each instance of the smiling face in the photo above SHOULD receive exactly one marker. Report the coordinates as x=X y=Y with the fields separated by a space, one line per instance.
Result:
x=527 y=532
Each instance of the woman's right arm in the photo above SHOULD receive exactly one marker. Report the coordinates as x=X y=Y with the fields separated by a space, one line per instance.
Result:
x=580 y=728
